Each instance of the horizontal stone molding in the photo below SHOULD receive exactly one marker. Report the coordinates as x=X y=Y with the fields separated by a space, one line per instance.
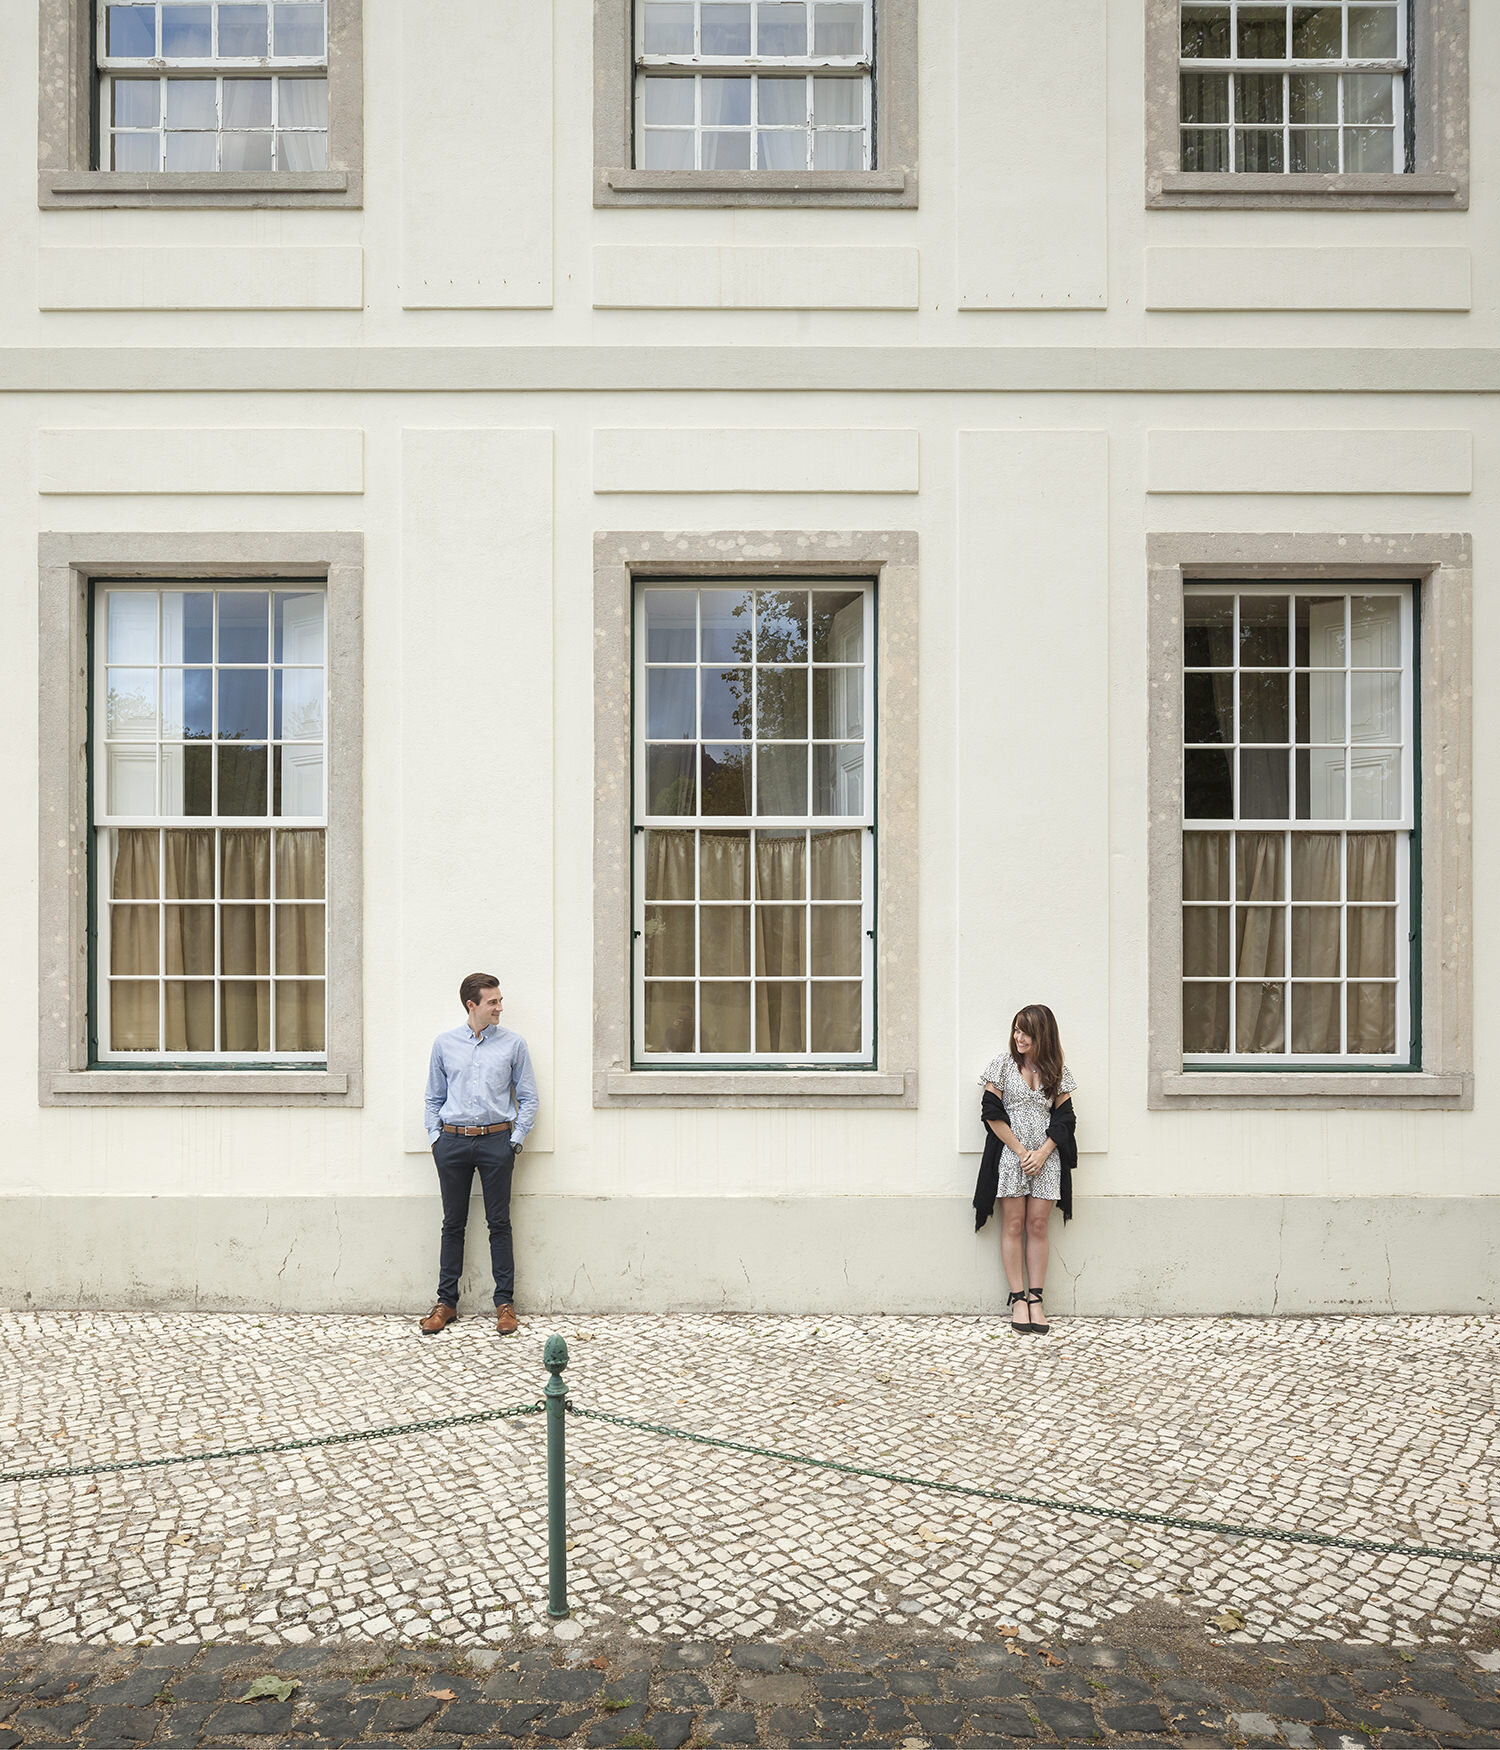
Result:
x=757 y=188
x=754 y=459
x=195 y=1087
x=1119 y=1257
x=180 y=459
x=793 y=1088
x=1196 y=188
x=1309 y=461
x=710 y=277
x=1301 y=1089
x=199 y=188
x=975 y=370
x=140 y=278
x=1335 y=278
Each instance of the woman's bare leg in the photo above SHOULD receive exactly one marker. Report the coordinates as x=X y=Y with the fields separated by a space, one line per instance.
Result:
x=1038 y=1212
x=1013 y=1252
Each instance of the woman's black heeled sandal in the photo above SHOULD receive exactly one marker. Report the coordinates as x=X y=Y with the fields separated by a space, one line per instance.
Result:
x=1015 y=1329
x=1034 y=1298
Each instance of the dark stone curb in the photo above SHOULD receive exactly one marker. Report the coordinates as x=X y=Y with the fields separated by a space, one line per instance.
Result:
x=1317 y=1696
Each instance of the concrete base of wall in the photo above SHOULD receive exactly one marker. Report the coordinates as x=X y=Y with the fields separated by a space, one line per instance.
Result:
x=1123 y=1255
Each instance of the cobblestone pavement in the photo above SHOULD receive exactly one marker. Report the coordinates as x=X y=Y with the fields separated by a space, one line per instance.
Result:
x=1369 y=1428
x=918 y=1696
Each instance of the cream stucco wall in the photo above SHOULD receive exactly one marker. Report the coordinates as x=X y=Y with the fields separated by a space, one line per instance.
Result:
x=479 y=370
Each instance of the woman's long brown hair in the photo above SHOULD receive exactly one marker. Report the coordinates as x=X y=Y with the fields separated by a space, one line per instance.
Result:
x=1039 y=1025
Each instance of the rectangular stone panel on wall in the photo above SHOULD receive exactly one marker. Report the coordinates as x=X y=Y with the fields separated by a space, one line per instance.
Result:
x=144 y=278
x=475 y=788
x=1032 y=218
x=1306 y=461
x=1034 y=742
x=187 y=459
x=683 y=277
x=1417 y=278
x=476 y=155
x=754 y=459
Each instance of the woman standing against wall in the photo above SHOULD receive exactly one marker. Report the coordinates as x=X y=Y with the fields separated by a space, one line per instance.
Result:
x=1029 y=1156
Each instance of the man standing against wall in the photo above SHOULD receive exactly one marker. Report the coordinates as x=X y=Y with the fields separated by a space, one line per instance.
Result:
x=481 y=1102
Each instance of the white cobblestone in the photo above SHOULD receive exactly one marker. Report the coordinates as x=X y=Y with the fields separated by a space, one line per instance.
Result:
x=1378 y=1428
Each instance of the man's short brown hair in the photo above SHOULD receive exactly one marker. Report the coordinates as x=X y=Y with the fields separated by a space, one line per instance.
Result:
x=469 y=990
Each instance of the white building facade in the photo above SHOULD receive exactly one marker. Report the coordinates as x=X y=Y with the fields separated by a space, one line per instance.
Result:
x=786 y=530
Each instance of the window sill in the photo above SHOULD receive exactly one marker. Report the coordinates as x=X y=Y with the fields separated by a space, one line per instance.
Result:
x=755 y=188
x=1212 y=188
x=1330 y=1091
x=748 y=1088
x=195 y=188
x=145 y=1087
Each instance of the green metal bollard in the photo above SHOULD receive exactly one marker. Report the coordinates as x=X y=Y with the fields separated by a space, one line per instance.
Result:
x=555 y=1359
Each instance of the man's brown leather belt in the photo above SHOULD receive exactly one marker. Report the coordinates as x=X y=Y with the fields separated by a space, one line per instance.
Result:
x=475 y=1129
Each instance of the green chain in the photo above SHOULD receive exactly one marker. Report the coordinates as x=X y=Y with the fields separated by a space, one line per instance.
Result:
x=1323 y=1539
x=94 y=1470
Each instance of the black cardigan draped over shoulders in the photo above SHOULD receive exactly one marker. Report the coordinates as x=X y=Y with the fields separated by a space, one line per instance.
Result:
x=1061 y=1132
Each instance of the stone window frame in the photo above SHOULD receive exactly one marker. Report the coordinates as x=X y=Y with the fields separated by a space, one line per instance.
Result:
x=1440 y=72
x=893 y=182
x=1442 y=566
x=890 y=558
x=67 y=128
x=69 y=565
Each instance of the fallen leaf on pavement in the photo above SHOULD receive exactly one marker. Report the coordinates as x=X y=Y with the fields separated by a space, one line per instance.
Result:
x=271 y=1689
x=1047 y=1654
x=442 y=1695
x=1229 y=1619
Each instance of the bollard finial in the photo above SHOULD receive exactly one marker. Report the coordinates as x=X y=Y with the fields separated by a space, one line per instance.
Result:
x=555 y=1355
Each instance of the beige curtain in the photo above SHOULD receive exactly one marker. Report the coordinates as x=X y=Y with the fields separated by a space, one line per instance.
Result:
x=726 y=1016
x=669 y=1017
x=133 y=1016
x=778 y=1016
x=178 y=866
x=780 y=865
x=300 y=859
x=723 y=865
x=780 y=941
x=1372 y=941
x=245 y=939
x=189 y=860
x=190 y=863
x=1260 y=946
x=134 y=945
x=836 y=865
x=1372 y=866
x=1316 y=932
x=300 y=941
x=669 y=941
x=724 y=941
x=835 y=1017
x=669 y=865
x=1205 y=941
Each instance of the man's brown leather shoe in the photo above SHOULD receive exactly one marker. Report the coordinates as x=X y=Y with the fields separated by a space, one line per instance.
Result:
x=438 y=1319
x=506 y=1322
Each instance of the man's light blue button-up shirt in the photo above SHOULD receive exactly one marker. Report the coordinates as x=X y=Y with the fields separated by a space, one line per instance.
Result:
x=480 y=1079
